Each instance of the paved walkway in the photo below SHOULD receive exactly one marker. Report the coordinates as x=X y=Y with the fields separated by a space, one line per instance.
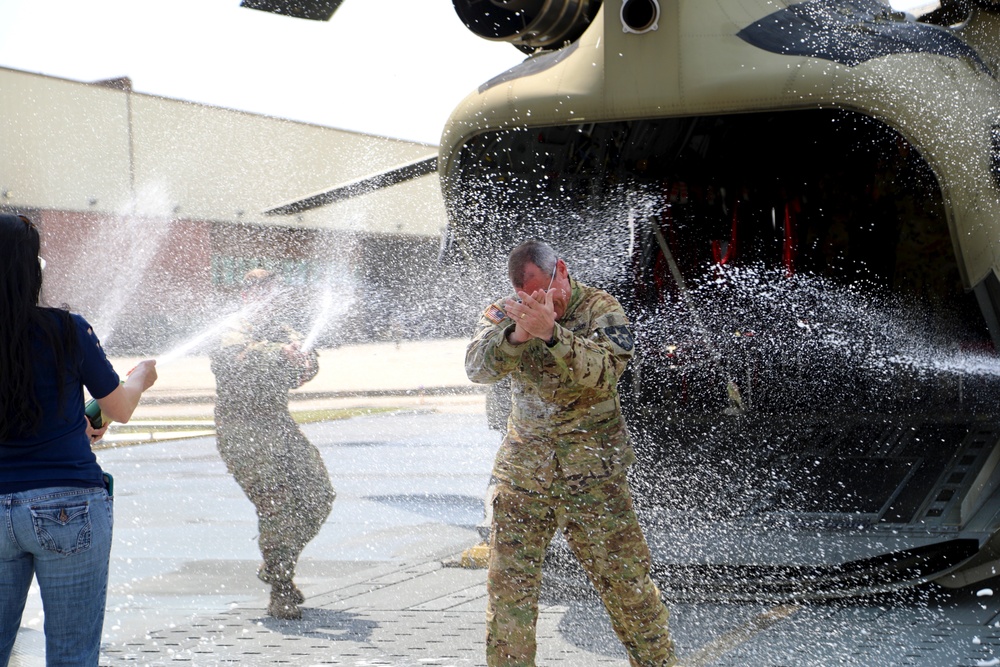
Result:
x=381 y=577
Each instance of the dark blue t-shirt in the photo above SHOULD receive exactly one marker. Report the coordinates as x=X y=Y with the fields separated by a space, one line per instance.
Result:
x=59 y=453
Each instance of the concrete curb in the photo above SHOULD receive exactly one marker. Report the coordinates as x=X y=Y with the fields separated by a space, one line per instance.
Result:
x=208 y=396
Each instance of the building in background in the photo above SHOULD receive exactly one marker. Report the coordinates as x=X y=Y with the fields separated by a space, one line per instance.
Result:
x=151 y=211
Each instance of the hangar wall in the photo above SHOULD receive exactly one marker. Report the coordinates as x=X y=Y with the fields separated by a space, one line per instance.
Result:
x=159 y=204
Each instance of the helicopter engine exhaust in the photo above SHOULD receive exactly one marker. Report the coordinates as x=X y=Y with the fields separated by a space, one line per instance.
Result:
x=528 y=24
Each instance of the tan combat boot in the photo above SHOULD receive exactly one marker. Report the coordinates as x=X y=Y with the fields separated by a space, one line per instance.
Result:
x=263 y=575
x=285 y=599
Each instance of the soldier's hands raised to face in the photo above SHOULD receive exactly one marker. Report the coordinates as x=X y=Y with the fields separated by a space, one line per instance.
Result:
x=534 y=316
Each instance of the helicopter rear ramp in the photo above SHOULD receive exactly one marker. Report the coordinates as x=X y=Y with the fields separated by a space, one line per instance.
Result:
x=826 y=508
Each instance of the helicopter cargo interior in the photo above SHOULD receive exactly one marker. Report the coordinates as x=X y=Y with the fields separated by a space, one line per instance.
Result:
x=808 y=359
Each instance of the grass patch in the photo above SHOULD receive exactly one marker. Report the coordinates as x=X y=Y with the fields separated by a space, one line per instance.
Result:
x=312 y=416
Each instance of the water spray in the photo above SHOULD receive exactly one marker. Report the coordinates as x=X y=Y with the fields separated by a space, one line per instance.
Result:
x=736 y=403
x=93 y=411
x=209 y=334
x=329 y=307
x=139 y=232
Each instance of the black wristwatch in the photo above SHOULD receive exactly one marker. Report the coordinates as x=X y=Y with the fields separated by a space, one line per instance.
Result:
x=552 y=341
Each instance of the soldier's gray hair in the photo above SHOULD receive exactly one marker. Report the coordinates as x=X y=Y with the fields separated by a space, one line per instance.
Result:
x=534 y=252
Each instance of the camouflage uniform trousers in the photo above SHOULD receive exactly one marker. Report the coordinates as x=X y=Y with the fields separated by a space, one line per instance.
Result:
x=601 y=528
x=284 y=477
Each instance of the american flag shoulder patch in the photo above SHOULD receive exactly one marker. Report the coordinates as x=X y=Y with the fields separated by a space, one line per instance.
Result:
x=494 y=314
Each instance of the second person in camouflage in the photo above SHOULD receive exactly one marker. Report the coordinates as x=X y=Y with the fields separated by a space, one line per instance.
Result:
x=280 y=471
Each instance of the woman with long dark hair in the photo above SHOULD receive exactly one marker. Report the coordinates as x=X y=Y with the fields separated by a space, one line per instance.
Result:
x=56 y=512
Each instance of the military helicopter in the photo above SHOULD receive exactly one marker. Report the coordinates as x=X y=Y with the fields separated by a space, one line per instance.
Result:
x=795 y=201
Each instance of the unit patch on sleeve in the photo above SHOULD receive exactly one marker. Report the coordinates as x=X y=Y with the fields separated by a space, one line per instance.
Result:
x=620 y=336
x=494 y=314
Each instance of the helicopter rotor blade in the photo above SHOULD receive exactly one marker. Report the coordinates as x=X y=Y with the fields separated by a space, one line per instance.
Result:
x=359 y=187
x=314 y=10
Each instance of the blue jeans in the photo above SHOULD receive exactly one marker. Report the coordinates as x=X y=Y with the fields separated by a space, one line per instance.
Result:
x=62 y=536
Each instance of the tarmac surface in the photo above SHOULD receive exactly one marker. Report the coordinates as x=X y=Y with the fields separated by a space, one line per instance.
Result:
x=382 y=579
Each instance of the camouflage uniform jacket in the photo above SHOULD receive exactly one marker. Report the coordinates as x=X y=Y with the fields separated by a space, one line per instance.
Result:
x=565 y=421
x=253 y=373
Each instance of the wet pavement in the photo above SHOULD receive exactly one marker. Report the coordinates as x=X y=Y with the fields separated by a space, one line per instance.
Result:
x=381 y=577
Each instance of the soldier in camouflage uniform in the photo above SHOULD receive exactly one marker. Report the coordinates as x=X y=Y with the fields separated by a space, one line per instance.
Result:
x=562 y=463
x=280 y=471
